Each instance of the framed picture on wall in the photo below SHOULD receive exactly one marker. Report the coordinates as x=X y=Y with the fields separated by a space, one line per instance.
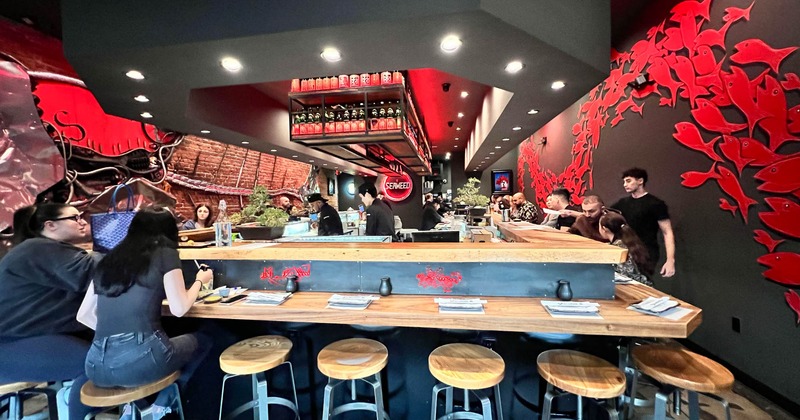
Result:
x=502 y=181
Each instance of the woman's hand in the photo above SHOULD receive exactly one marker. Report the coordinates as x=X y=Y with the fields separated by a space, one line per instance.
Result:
x=205 y=275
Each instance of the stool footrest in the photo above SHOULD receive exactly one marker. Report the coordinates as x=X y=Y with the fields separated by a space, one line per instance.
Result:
x=363 y=406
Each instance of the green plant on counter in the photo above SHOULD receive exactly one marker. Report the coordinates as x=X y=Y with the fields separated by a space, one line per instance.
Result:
x=260 y=210
x=468 y=194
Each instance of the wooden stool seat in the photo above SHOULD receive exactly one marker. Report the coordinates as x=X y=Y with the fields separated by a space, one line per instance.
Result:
x=352 y=358
x=94 y=396
x=682 y=368
x=466 y=366
x=581 y=374
x=257 y=354
x=18 y=386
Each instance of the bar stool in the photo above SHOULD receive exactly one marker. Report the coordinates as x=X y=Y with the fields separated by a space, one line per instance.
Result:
x=678 y=368
x=94 y=396
x=16 y=392
x=472 y=368
x=350 y=360
x=581 y=374
x=255 y=356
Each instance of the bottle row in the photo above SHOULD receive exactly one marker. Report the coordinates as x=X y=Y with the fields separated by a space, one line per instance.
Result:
x=345 y=81
x=347 y=119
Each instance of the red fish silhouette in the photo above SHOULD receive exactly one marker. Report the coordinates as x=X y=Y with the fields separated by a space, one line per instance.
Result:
x=737 y=85
x=691 y=8
x=793 y=299
x=673 y=40
x=732 y=14
x=773 y=100
x=660 y=73
x=762 y=237
x=755 y=50
x=782 y=267
x=758 y=152
x=694 y=179
x=792 y=82
x=725 y=205
x=710 y=117
x=688 y=135
x=646 y=91
x=794 y=119
x=784 y=217
x=781 y=177
x=703 y=60
x=732 y=149
x=713 y=37
x=618 y=119
x=730 y=186
x=686 y=74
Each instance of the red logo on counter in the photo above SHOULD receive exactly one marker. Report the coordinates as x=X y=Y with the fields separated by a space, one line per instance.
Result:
x=437 y=278
x=268 y=273
x=397 y=187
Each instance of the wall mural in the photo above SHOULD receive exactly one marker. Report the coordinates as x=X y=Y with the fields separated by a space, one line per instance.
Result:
x=686 y=57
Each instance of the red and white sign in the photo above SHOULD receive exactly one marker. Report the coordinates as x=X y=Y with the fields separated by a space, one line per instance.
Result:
x=397 y=187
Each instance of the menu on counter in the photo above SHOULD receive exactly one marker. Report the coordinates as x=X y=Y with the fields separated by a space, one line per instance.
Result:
x=460 y=305
x=558 y=309
x=351 y=302
x=267 y=298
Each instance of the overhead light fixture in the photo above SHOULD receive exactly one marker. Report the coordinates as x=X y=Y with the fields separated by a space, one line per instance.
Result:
x=324 y=164
x=498 y=147
x=273 y=150
x=464 y=93
x=558 y=84
x=491 y=153
x=231 y=64
x=435 y=146
x=331 y=55
x=141 y=98
x=450 y=44
x=514 y=66
x=456 y=146
x=447 y=156
x=517 y=128
x=135 y=74
x=506 y=139
x=205 y=131
x=294 y=156
x=456 y=138
x=458 y=128
x=245 y=142
x=311 y=161
x=146 y=115
x=460 y=115
x=533 y=111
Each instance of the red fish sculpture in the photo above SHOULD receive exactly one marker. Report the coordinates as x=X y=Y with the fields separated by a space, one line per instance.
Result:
x=732 y=14
x=727 y=206
x=792 y=82
x=694 y=179
x=781 y=177
x=762 y=237
x=729 y=184
x=784 y=217
x=688 y=135
x=737 y=85
x=732 y=149
x=755 y=50
x=772 y=99
x=782 y=267
x=691 y=8
x=710 y=117
x=759 y=154
x=793 y=300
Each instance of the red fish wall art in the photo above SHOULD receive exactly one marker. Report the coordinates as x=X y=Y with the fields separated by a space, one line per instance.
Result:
x=737 y=122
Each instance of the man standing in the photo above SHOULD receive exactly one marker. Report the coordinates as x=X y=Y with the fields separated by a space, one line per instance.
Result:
x=380 y=219
x=587 y=224
x=328 y=221
x=526 y=211
x=647 y=214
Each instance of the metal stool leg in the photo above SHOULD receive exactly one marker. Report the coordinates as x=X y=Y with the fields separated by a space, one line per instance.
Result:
x=609 y=405
x=448 y=400
x=486 y=404
x=548 y=402
x=260 y=395
x=377 y=388
x=15 y=407
x=676 y=402
x=327 y=401
x=579 y=416
x=497 y=402
x=722 y=401
x=662 y=399
x=294 y=391
x=694 y=406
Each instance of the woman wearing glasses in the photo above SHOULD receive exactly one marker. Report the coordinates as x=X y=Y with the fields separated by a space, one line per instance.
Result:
x=43 y=278
x=615 y=229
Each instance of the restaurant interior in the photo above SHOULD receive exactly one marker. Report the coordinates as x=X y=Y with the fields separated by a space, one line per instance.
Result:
x=197 y=102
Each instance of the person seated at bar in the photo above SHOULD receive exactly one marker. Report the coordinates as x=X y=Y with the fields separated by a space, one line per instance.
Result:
x=328 y=221
x=525 y=210
x=43 y=278
x=130 y=347
x=587 y=224
x=495 y=203
x=615 y=229
x=430 y=215
x=380 y=218
x=550 y=219
x=561 y=203
x=427 y=199
x=202 y=218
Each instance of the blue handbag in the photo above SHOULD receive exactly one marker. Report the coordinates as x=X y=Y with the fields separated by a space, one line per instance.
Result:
x=109 y=229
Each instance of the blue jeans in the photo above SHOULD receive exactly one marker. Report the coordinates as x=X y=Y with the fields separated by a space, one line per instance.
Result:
x=134 y=359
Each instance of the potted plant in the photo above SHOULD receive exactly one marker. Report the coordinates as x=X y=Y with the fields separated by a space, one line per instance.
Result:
x=469 y=195
x=259 y=219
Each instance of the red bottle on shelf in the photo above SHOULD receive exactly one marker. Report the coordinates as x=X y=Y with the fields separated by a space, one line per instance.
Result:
x=344 y=81
x=312 y=85
x=304 y=85
x=326 y=83
x=386 y=78
x=397 y=77
x=295 y=85
x=318 y=83
x=374 y=79
x=334 y=82
x=355 y=80
x=365 y=79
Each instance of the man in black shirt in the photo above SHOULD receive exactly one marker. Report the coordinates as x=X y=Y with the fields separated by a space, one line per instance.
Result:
x=328 y=223
x=380 y=219
x=561 y=202
x=647 y=215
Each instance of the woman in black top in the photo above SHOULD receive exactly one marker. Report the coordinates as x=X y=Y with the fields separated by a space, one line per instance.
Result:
x=616 y=230
x=130 y=348
x=203 y=218
x=43 y=278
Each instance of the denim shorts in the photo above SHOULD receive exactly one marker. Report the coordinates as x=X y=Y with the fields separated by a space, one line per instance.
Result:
x=135 y=359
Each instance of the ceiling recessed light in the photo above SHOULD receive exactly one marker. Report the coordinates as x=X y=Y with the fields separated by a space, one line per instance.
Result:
x=506 y=139
x=558 y=84
x=456 y=138
x=311 y=161
x=205 y=131
x=141 y=98
x=458 y=128
x=498 y=147
x=456 y=146
x=450 y=44
x=245 y=142
x=464 y=93
x=533 y=111
x=324 y=164
x=135 y=75
x=331 y=55
x=491 y=153
x=294 y=156
x=273 y=150
x=517 y=128
x=514 y=66
x=146 y=115
x=231 y=64
x=435 y=146
x=460 y=115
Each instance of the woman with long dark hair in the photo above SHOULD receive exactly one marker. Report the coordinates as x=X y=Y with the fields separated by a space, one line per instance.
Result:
x=130 y=347
x=44 y=277
x=614 y=228
x=203 y=218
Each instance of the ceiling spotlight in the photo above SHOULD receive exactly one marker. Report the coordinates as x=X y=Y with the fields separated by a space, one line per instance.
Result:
x=311 y=161
x=456 y=138
x=491 y=153
x=231 y=64
x=273 y=150
x=324 y=164
x=245 y=142
x=458 y=128
x=460 y=115
x=450 y=44
x=558 y=84
x=435 y=146
x=331 y=55
x=456 y=146
x=533 y=111
x=141 y=98
x=294 y=156
x=146 y=115
x=135 y=75
x=514 y=66
x=205 y=131
x=464 y=93
x=517 y=128
x=498 y=147
x=447 y=156
x=506 y=139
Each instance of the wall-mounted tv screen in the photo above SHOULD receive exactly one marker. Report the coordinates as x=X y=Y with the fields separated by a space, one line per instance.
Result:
x=503 y=182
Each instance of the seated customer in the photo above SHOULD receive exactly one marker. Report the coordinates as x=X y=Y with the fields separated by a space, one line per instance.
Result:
x=202 y=218
x=550 y=219
x=43 y=278
x=328 y=223
x=430 y=215
x=568 y=212
x=524 y=210
x=638 y=266
x=587 y=223
x=130 y=348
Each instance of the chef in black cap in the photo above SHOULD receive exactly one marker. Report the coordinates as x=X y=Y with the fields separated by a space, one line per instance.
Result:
x=328 y=221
